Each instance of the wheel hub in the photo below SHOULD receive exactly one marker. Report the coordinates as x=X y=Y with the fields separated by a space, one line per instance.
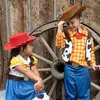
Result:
x=57 y=69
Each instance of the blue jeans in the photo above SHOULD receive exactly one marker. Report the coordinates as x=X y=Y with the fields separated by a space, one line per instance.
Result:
x=76 y=82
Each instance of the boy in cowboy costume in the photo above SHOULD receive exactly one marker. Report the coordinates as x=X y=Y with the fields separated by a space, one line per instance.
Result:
x=78 y=54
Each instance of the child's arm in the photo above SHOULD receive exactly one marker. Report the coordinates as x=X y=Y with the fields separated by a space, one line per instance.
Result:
x=60 y=36
x=28 y=73
x=34 y=67
x=93 y=60
x=60 y=27
x=38 y=86
x=35 y=70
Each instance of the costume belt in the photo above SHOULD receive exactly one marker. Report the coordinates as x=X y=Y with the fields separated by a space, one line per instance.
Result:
x=73 y=64
x=15 y=78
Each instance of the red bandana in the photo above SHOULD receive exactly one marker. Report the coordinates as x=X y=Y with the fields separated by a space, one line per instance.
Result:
x=79 y=35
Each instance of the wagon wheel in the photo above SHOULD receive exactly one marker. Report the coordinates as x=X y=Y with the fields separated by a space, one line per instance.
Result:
x=57 y=63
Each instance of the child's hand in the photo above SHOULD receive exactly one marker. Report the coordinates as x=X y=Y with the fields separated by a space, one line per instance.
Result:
x=61 y=23
x=96 y=67
x=39 y=86
x=60 y=26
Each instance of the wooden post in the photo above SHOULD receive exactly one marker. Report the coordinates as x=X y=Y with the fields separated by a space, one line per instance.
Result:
x=8 y=19
x=29 y=16
x=54 y=47
x=1 y=55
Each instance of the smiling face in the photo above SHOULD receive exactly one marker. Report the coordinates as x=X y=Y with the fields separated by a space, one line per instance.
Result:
x=74 y=23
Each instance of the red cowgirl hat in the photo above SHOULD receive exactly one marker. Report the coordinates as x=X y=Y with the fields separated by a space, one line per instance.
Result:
x=18 y=39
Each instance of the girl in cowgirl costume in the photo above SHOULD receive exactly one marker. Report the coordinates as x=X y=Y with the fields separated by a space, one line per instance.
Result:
x=24 y=81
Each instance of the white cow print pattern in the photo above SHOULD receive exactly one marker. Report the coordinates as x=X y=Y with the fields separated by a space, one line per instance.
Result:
x=68 y=50
x=42 y=97
x=88 y=49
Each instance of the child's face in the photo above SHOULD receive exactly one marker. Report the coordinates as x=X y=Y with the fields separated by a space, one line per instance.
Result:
x=74 y=23
x=29 y=49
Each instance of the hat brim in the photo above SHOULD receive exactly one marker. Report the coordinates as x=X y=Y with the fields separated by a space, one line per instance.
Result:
x=62 y=18
x=8 y=46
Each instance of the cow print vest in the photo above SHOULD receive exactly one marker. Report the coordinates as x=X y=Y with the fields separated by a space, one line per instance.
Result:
x=68 y=48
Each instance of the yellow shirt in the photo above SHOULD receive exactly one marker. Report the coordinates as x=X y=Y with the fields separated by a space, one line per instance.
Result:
x=18 y=61
x=78 y=54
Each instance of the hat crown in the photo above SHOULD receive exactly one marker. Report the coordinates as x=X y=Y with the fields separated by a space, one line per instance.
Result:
x=71 y=12
x=72 y=8
x=18 y=38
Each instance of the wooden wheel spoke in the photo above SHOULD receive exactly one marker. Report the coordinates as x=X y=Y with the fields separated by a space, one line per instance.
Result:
x=59 y=53
x=53 y=87
x=63 y=92
x=44 y=69
x=48 y=78
x=48 y=47
x=97 y=47
x=95 y=86
x=43 y=59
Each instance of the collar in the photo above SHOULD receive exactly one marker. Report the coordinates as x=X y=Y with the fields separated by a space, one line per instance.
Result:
x=26 y=61
x=83 y=30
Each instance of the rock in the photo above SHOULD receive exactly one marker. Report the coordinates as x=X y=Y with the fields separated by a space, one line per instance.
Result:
x=2 y=95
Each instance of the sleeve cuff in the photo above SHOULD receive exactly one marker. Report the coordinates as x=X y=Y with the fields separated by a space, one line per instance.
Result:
x=60 y=42
x=92 y=63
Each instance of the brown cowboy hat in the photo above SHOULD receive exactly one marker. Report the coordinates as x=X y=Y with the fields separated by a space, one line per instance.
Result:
x=71 y=12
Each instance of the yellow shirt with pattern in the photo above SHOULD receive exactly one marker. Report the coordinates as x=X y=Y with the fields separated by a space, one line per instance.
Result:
x=78 y=54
